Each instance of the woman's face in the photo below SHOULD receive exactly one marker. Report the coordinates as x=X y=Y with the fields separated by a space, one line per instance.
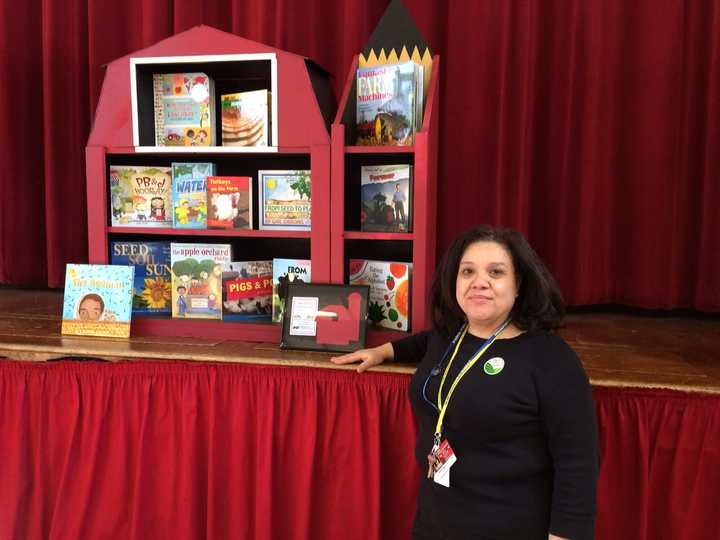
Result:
x=486 y=287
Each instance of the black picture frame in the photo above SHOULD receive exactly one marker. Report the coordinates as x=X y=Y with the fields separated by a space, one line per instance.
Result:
x=325 y=317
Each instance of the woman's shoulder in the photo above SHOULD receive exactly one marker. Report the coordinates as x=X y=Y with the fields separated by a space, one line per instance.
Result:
x=550 y=351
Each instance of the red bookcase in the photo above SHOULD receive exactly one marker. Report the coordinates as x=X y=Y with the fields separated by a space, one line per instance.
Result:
x=123 y=134
x=347 y=240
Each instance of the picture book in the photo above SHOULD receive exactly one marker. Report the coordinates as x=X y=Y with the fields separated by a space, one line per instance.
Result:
x=286 y=271
x=184 y=106
x=190 y=195
x=230 y=202
x=197 y=279
x=386 y=198
x=285 y=200
x=389 y=104
x=245 y=118
x=247 y=291
x=151 y=286
x=389 y=282
x=140 y=196
x=98 y=300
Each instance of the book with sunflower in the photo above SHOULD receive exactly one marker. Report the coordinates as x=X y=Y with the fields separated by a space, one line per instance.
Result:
x=151 y=286
x=389 y=304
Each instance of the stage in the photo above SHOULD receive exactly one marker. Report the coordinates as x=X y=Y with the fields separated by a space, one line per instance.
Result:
x=617 y=350
x=192 y=439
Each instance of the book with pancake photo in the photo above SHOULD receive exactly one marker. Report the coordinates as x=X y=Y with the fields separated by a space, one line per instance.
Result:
x=184 y=105
x=230 y=202
x=246 y=119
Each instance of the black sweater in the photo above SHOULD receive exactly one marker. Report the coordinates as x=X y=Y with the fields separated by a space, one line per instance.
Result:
x=525 y=439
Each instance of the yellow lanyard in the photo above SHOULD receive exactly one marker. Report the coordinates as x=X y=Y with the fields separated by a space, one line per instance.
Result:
x=442 y=406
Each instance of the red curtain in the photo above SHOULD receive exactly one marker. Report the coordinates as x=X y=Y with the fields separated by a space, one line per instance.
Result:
x=179 y=451
x=660 y=468
x=590 y=126
x=174 y=450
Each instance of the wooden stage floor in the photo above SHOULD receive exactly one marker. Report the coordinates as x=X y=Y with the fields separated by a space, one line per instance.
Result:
x=679 y=353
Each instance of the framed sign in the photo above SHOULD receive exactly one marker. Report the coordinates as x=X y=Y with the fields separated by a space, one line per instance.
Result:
x=324 y=317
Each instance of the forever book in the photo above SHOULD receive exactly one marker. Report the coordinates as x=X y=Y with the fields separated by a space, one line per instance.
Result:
x=386 y=198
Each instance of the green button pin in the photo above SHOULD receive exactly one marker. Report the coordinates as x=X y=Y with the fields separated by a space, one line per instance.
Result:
x=494 y=366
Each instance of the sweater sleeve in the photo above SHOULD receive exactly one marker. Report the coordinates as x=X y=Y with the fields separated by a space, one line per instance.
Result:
x=410 y=349
x=568 y=414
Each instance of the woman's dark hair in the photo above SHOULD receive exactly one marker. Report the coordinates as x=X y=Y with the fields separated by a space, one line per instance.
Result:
x=539 y=304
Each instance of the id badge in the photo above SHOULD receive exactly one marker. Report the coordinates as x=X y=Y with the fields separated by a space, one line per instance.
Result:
x=444 y=459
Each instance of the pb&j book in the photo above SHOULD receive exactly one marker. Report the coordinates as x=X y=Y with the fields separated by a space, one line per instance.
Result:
x=140 y=196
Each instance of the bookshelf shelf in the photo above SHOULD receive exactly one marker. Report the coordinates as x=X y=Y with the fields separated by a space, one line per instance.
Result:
x=123 y=134
x=362 y=235
x=161 y=231
x=380 y=149
x=416 y=247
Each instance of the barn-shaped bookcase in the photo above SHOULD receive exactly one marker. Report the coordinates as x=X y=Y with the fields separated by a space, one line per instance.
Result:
x=123 y=134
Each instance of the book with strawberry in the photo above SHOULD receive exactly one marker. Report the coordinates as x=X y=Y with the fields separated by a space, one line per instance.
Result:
x=389 y=282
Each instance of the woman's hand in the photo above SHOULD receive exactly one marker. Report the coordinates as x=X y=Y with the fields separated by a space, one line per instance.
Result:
x=367 y=357
x=553 y=537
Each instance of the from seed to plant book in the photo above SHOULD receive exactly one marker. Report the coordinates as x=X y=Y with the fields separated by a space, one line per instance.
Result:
x=247 y=291
x=386 y=198
x=184 y=109
x=151 y=286
x=190 y=194
x=286 y=271
x=197 y=279
x=230 y=202
x=389 y=282
x=389 y=104
x=246 y=118
x=285 y=200
x=98 y=300
x=140 y=196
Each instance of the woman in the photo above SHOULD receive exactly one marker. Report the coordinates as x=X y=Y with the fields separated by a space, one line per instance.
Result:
x=514 y=407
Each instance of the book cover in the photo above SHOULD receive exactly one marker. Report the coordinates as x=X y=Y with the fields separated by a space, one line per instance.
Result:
x=184 y=109
x=386 y=198
x=229 y=202
x=140 y=196
x=151 y=285
x=197 y=279
x=190 y=194
x=247 y=291
x=387 y=106
x=98 y=300
x=285 y=271
x=245 y=118
x=389 y=304
x=285 y=200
